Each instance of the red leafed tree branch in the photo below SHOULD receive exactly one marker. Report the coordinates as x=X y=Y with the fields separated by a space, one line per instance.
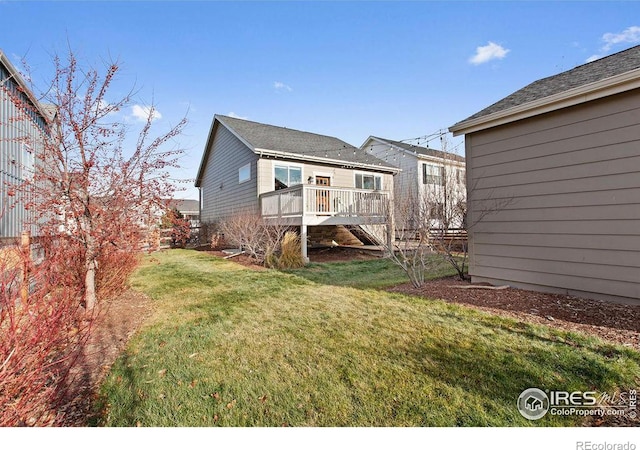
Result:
x=91 y=185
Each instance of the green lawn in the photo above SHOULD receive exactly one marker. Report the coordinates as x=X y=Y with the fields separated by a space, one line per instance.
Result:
x=230 y=346
x=372 y=274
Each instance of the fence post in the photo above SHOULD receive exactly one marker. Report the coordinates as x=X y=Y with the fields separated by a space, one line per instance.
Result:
x=25 y=250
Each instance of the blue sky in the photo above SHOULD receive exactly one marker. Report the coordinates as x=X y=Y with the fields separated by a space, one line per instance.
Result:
x=399 y=70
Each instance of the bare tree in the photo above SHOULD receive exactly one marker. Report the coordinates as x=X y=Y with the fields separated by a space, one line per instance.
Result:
x=412 y=249
x=430 y=221
x=268 y=243
x=432 y=224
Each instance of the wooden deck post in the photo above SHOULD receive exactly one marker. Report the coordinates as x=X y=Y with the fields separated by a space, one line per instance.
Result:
x=303 y=242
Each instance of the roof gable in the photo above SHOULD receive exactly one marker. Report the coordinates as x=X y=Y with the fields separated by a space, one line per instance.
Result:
x=612 y=70
x=46 y=111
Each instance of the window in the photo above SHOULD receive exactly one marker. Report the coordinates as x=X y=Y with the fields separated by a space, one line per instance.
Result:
x=244 y=173
x=460 y=176
x=368 y=181
x=432 y=174
x=287 y=176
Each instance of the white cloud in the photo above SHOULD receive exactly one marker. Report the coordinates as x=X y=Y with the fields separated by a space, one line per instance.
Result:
x=236 y=116
x=281 y=86
x=629 y=36
x=141 y=113
x=593 y=58
x=488 y=52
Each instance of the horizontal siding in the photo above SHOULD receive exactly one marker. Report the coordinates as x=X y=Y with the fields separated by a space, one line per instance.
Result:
x=586 y=286
x=555 y=199
x=407 y=179
x=585 y=270
x=559 y=241
x=558 y=144
x=533 y=187
x=623 y=196
x=567 y=213
x=567 y=172
x=570 y=227
x=541 y=128
x=222 y=194
x=612 y=257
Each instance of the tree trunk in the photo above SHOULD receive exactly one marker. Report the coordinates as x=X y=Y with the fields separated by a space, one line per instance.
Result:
x=91 y=265
x=90 y=284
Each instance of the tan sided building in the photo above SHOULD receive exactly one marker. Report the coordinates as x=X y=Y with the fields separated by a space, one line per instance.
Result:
x=553 y=178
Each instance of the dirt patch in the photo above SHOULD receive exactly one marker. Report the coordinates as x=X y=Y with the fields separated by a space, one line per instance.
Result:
x=315 y=254
x=115 y=323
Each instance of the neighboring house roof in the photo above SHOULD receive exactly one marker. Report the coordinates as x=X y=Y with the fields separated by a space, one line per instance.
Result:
x=603 y=77
x=417 y=150
x=185 y=205
x=274 y=141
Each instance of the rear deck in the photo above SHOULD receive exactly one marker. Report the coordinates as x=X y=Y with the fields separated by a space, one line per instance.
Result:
x=311 y=205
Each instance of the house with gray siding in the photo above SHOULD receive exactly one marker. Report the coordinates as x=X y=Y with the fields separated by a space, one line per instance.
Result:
x=436 y=176
x=24 y=127
x=190 y=210
x=561 y=157
x=296 y=178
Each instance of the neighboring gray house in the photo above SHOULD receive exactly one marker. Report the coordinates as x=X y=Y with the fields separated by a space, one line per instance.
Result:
x=24 y=126
x=436 y=176
x=293 y=178
x=562 y=157
x=190 y=210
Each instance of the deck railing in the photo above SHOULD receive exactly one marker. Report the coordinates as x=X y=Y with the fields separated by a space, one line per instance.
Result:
x=313 y=200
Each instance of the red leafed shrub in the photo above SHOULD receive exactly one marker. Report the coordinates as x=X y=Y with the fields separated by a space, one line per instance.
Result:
x=39 y=339
x=115 y=266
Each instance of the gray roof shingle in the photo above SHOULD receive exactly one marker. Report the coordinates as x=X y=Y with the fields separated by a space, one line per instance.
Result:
x=426 y=151
x=185 y=204
x=300 y=143
x=600 y=69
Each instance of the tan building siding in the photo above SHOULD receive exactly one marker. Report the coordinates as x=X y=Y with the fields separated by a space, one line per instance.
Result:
x=555 y=200
x=340 y=177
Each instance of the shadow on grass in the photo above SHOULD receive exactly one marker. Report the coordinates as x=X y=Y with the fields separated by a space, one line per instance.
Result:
x=492 y=373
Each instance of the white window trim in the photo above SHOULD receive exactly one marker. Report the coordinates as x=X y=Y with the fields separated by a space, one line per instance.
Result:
x=240 y=170
x=431 y=164
x=282 y=164
x=368 y=173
